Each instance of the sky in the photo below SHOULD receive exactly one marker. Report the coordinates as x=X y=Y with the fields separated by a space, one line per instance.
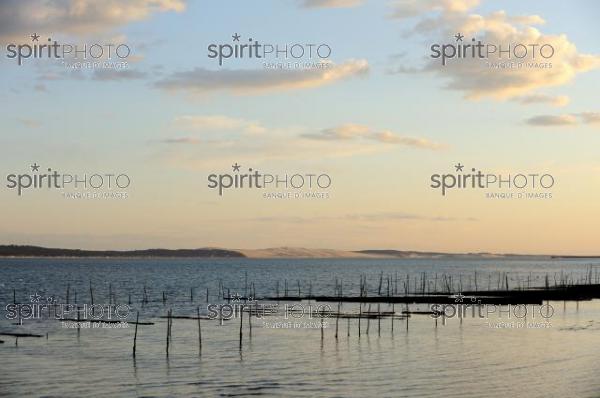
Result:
x=378 y=115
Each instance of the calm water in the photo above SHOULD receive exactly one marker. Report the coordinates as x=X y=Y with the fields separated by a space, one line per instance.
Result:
x=472 y=358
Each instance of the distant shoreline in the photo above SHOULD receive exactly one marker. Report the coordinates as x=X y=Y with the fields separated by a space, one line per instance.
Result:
x=45 y=252
x=27 y=251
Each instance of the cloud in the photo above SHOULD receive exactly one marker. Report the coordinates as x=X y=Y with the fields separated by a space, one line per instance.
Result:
x=558 y=101
x=280 y=145
x=181 y=140
x=390 y=216
x=20 y=18
x=330 y=3
x=550 y=120
x=477 y=80
x=475 y=77
x=363 y=217
x=590 y=117
x=30 y=123
x=389 y=137
x=218 y=122
x=252 y=81
x=343 y=132
x=115 y=74
x=565 y=119
x=412 y=8
x=263 y=149
x=352 y=131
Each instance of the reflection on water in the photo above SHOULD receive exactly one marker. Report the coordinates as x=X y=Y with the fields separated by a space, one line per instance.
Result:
x=468 y=359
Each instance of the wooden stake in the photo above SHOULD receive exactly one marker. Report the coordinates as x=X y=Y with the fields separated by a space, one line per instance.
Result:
x=369 y=319
x=359 y=318
x=337 y=319
x=250 y=319
x=168 y=329
x=378 y=319
x=91 y=293
x=199 y=333
x=322 y=328
x=241 y=323
x=348 y=319
x=137 y=319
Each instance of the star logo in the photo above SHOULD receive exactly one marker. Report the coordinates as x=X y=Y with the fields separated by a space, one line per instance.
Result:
x=35 y=298
x=236 y=297
x=34 y=37
x=458 y=298
x=459 y=37
x=459 y=167
x=236 y=167
x=236 y=37
x=35 y=167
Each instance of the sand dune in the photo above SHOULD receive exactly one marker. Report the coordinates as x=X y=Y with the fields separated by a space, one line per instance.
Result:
x=301 y=252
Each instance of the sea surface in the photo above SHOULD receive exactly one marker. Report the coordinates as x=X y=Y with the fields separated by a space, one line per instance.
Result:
x=499 y=355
